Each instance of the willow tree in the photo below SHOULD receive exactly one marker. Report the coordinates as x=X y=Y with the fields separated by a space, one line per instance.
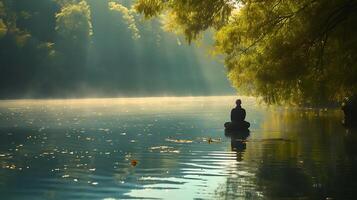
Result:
x=301 y=52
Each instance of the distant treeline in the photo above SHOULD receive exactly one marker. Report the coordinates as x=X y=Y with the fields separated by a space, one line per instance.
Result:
x=78 y=48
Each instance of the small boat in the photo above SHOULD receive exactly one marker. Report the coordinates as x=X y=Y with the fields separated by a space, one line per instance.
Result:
x=237 y=126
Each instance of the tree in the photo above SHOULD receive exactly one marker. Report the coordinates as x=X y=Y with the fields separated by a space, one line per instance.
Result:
x=301 y=52
x=42 y=43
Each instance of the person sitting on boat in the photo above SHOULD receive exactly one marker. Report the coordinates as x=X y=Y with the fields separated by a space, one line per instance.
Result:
x=349 y=108
x=238 y=113
x=237 y=119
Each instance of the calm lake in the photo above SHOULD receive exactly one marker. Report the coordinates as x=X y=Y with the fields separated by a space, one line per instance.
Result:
x=172 y=148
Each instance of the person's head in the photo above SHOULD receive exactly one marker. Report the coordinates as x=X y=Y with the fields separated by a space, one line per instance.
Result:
x=238 y=102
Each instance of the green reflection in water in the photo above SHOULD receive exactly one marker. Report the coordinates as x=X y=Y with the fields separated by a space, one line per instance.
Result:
x=296 y=153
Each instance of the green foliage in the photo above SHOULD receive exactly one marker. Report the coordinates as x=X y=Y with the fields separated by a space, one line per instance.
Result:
x=189 y=16
x=301 y=52
x=77 y=48
x=128 y=16
x=150 y=8
x=74 y=21
x=3 y=29
x=41 y=37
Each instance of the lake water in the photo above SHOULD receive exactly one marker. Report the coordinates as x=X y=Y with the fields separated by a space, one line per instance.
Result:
x=172 y=148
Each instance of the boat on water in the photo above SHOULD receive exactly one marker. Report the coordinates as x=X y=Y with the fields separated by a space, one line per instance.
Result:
x=237 y=126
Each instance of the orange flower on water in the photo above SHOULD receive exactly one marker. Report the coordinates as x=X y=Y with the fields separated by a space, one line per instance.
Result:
x=133 y=163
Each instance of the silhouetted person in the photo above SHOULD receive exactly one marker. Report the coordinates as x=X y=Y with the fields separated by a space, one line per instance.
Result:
x=237 y=118
x=349 y=107
x=238 y=113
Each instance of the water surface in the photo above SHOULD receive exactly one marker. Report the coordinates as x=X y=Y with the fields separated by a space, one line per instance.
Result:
x=86 y=149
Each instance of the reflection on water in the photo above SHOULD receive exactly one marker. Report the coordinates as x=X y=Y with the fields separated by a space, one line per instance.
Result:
x=84 y=149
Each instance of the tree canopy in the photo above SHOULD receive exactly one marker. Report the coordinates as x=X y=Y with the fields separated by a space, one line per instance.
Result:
x=301 y=52
x=86 y=48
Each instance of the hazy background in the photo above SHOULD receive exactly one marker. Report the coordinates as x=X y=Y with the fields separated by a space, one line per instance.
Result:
x=72 y=55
